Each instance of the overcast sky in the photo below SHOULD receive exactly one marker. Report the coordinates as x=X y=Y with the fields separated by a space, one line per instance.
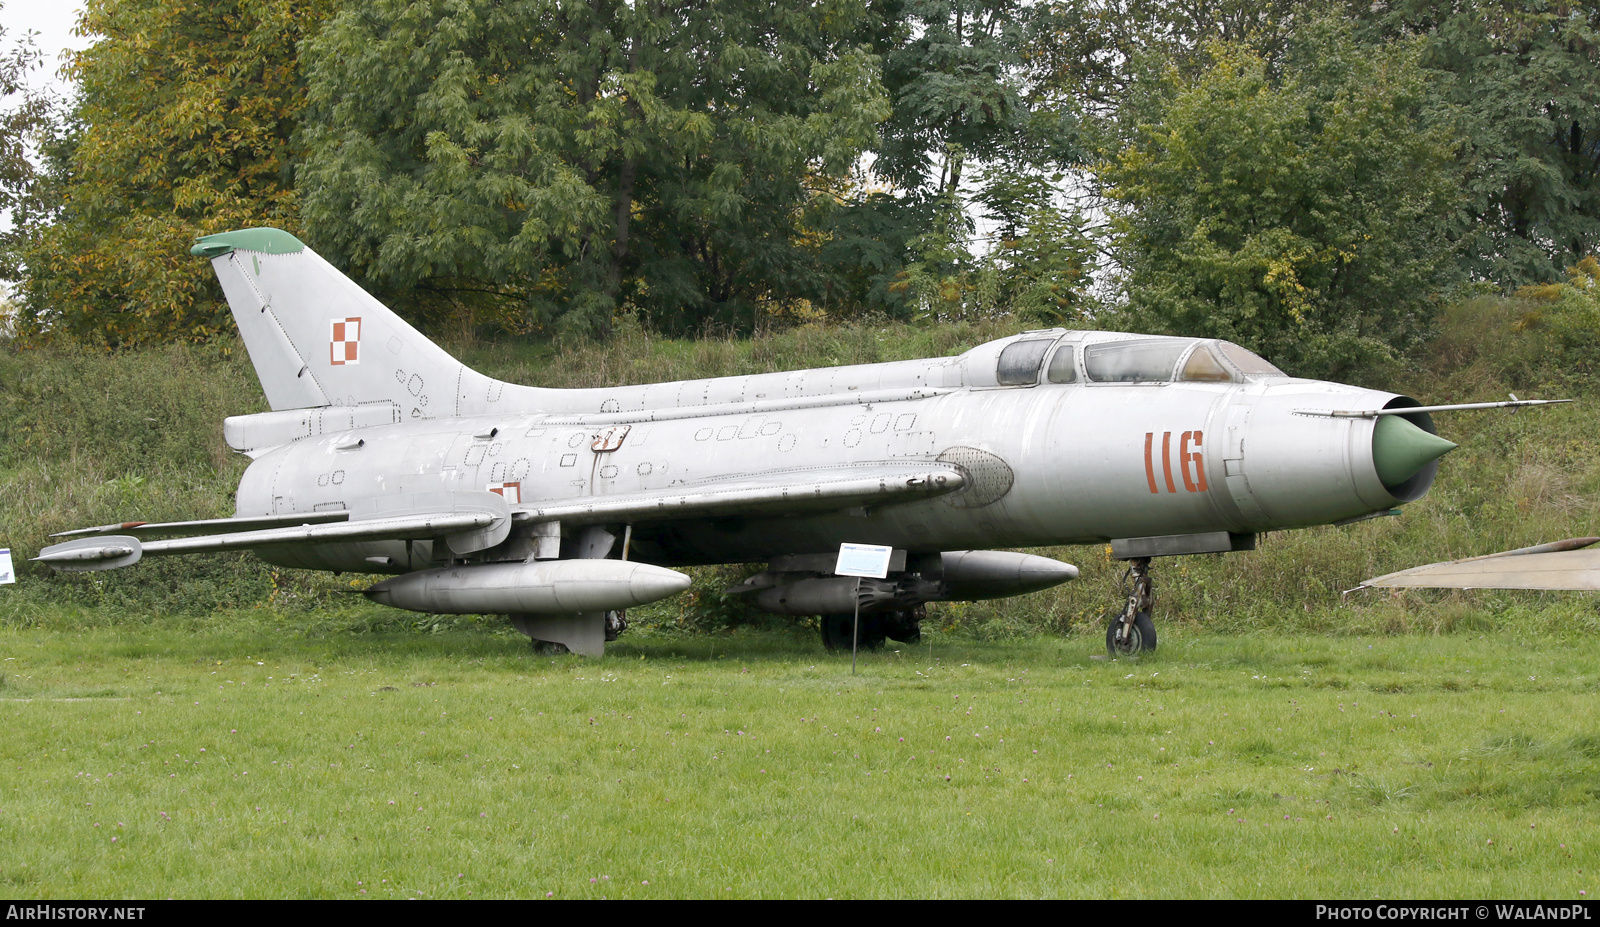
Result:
x=53 y=21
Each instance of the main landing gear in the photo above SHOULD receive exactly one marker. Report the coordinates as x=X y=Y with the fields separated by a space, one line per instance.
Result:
x=1132 y=632
x=877 y=627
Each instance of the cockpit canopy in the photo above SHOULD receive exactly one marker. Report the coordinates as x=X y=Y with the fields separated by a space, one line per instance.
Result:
x=1137 y=360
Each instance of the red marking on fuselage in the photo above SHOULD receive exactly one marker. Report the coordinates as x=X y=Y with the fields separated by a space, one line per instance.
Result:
x=1191 y=462
x=1183 y=460
x=1187 y=457
x=1149 y=464
x=1166 y=460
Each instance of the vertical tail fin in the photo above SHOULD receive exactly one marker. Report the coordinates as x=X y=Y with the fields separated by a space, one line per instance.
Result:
x=318 y=339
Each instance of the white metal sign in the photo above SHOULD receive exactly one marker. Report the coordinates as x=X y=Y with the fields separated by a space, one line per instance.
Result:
x=863 y=560
x=6 y=573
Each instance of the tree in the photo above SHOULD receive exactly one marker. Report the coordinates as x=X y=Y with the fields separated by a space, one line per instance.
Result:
x=1300 y=209
x=956 y=90
x=1094 y=52
x=969 y=127
x=1527 y=84
x=544 y=162
x=183 y=127
x=31 y=120
x=1040 y=261
x=1035 y=269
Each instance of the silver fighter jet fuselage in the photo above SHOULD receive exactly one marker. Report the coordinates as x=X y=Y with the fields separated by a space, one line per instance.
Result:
x=1040 y=463
x=383 y=454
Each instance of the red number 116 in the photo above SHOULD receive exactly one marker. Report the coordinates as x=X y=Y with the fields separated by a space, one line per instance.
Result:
x=1190 y=466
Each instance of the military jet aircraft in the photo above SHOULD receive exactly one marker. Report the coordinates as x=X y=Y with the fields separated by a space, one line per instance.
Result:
x=383 y=454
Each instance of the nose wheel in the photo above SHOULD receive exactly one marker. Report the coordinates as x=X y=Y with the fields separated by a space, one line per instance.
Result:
x=1132 y=632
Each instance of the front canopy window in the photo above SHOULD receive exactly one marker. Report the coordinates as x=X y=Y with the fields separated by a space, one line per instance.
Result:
x=1145 y=360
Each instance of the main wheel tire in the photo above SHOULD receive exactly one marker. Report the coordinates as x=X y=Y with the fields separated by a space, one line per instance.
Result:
x=1141 y=640
x=904 y=627
x=837 y=631
x=872 y=632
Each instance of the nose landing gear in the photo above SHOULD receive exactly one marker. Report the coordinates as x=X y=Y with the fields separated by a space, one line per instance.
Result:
x=1132 y=632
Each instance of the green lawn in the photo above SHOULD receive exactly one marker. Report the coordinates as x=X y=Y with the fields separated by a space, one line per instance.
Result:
x=152 y=763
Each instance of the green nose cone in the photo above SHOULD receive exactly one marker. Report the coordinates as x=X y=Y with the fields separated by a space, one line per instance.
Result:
x=1400 y=449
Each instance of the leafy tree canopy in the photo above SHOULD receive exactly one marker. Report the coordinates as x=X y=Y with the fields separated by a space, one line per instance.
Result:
x=1310 y=186
x=29 y=119
x=972 y=126
x=1527 y=87
x=183 y=128
x=549 y=161
x=1298 y=210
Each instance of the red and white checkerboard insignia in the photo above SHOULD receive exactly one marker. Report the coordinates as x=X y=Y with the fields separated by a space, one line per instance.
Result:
x=511 y=492
x=345 y=345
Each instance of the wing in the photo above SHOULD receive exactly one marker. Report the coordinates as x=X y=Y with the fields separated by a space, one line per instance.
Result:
x=467 y=521
x=1561 y=565
x=788 y=491
x=474 y=521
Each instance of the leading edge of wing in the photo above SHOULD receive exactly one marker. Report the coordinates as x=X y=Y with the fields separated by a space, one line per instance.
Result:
x=783 y=492
x=1552 y=567
x=468 y=521
x=144 y=529
x=112 y=551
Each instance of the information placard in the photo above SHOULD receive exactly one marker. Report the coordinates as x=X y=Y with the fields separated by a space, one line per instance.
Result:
x=6 y=573
x=863 y=560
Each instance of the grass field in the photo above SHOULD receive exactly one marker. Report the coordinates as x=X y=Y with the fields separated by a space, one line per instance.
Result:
x=153 y=762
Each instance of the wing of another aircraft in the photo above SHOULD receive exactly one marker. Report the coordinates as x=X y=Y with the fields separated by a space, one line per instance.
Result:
x=1560 y=565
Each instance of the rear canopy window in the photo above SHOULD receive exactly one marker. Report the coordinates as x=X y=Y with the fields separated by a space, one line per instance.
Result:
x=1019 y=362
x=1147 y=360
